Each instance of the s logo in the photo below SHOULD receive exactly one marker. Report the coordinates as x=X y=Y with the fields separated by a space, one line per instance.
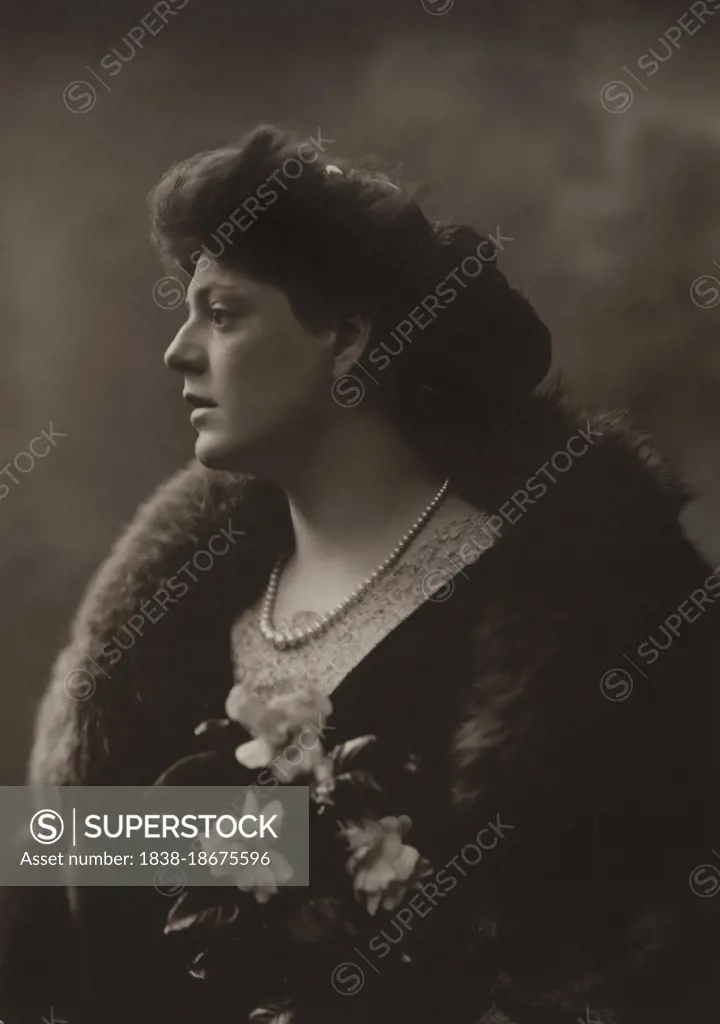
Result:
x=46 y=826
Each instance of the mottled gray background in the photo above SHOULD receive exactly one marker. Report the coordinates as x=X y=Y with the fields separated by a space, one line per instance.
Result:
x=494 y=107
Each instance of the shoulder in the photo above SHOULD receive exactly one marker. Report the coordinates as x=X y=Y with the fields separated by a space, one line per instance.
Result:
x=589 y=518
x=179 y=519
x=176 y=517
x=196 y=518
x=589 y=562
x=589 y=486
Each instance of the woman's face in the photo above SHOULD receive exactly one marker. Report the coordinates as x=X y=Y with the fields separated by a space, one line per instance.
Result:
x=258 y=380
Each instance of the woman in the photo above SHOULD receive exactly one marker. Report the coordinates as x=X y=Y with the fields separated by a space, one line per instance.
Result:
x=405 y=535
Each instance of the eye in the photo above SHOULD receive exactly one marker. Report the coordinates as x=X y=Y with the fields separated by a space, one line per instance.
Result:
x=220 y=316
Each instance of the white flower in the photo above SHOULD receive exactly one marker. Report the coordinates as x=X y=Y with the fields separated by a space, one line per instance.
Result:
x=382 y=866
x=254 y=865
x=277 y=726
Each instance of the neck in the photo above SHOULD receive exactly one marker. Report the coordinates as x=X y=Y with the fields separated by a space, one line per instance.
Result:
x=363 y=487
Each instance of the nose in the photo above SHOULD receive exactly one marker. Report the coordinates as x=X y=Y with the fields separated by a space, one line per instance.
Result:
x=185 y=354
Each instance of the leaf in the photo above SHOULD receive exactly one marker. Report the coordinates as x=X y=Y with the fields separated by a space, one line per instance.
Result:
x=357 y=795
x=204 y=769
x=273 y=1012
x=361 y=779
x=183 y=915
x=350 y=750
x=316 y=920
x=197 y=968
x=212 y=725
x=216 y=916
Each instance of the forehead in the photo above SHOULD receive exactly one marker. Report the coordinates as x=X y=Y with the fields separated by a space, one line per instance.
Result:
x=211 y=275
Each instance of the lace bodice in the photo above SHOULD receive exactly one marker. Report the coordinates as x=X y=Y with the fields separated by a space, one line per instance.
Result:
x=429 y=570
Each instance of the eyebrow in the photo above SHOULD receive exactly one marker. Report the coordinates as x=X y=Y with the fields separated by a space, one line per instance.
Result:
x=202 y=293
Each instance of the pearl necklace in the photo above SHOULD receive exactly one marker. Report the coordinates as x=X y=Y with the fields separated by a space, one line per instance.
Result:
x=282 y=638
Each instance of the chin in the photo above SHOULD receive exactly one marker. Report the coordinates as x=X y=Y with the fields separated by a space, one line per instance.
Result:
x=258 y=453
x=218 y=453
x=222 y=453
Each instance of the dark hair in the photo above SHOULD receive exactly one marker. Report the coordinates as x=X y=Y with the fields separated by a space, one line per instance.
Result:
x=341 y=240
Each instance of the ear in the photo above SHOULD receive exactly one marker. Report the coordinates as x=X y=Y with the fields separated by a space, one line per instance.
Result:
x=351 y=338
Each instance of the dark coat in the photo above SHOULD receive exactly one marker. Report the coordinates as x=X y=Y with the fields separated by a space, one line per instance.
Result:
x=588 y=714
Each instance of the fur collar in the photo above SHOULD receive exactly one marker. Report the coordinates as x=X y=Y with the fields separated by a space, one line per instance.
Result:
x=589 y=552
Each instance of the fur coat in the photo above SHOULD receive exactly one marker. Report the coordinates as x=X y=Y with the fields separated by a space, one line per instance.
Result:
x=588 y=715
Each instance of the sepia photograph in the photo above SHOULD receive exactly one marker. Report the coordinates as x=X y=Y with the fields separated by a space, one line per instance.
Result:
x=360 y=512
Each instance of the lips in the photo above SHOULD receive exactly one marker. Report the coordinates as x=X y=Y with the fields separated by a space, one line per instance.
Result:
x=198 y=402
